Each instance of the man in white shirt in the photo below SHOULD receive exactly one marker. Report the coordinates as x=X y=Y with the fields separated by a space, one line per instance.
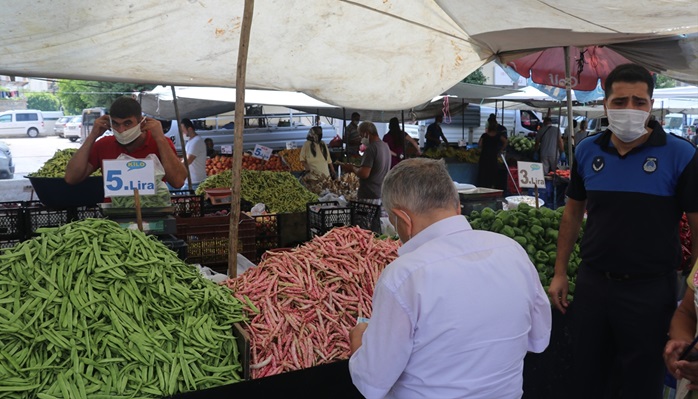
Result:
x=455 y=314
x=196 y=154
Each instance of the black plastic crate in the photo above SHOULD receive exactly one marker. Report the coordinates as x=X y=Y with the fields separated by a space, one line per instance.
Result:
x=175 y=244
x=12 y=224
x=84 y=212
x=266 y=234
x=366 y=215
x=187 y=204
x=7 y=244
x=324 y=216
x=207 y=238
x=38 y=215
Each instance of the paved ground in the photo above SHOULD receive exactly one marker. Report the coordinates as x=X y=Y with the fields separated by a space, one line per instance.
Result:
x=29 y=154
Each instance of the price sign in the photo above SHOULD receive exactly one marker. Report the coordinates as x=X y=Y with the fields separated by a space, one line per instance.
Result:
x=122 y=176
x=290 y=145
x=227 y=149
x=462 y=143
x=531 y=174
x=262 y=152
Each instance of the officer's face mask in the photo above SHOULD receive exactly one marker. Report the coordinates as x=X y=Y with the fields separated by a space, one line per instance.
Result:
x=627 y=124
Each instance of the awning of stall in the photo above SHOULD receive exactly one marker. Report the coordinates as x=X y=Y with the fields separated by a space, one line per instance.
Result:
x=372 y=54
x=200 y=102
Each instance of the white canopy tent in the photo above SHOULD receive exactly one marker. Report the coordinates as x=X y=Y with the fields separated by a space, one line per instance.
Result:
x=363 y=54
x=199 y=102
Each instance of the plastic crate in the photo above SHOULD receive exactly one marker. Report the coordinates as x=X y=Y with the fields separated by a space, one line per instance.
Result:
x=11 y=221
x=175 y=244
x=187 y=205
x=366 y=215
x=7 y=244
x=38 y=215
x=207 y=238
x=219 y=196
x=85 y=212
x=266 y=234
x=323 y=216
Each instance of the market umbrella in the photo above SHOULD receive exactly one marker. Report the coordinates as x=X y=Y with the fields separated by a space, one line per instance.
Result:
x=588 y=65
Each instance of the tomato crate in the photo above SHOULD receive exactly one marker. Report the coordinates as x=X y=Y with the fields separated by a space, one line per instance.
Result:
x=12 y=224
x=207 y=238
x=323 y=216
x=187 y=204
x=366 y=215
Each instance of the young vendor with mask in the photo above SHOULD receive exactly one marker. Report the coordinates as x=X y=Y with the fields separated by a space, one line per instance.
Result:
x=134 y=135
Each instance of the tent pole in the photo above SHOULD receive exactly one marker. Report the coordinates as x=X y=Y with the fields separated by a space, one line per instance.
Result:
x=462 y=113
x=237 y=143
x=402 y=130
x=181 y=136
x=570 y=117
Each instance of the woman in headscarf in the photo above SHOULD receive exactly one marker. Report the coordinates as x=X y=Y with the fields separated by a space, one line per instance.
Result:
x=395 y=138
x=315 y=156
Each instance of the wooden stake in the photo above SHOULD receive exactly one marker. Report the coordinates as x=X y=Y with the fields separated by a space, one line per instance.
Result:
x=237 y=143
x=139 y=215
x=535 y=190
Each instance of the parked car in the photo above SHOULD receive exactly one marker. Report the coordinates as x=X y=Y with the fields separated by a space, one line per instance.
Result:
x=50 y=119
x=19 y=122
x=73 y=128
x=59 y=127
x=7 y=168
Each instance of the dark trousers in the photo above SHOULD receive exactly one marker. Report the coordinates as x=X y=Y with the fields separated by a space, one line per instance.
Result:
x=619 y=329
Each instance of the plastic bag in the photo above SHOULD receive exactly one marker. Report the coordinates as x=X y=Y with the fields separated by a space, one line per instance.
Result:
x=334 y=197
x=160 y=199
x=259 y=209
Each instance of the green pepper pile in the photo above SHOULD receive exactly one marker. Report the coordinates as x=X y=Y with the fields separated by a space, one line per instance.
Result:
x=55 y=167
x=536 y=231
x=281 y=192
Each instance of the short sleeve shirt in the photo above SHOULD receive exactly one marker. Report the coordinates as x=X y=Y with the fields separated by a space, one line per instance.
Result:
x=376 y=157
x=635 y=201
x=108 y=148
x=197 y=169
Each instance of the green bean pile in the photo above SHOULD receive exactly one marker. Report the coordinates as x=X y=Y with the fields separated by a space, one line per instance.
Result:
x=160 y=199
x=89 y=309
x=281 y=192
x=55 y=167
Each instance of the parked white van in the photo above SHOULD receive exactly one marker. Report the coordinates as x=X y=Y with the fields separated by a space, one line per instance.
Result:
x=25 y=121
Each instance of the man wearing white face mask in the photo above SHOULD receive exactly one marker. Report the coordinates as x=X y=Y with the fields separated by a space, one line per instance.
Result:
x=134 y=135
x=455 y=314
x=634 y=181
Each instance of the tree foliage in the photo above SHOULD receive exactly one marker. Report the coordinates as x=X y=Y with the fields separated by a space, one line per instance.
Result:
x=76 y=95
x=43 y=101
x=664 y=82
x=476 y=78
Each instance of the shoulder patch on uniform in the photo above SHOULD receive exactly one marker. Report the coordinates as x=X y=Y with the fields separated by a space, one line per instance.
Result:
x=650 y=165
x=598 y=164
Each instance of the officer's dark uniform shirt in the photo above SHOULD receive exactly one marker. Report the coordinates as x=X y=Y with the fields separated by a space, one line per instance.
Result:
x=635 y=201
